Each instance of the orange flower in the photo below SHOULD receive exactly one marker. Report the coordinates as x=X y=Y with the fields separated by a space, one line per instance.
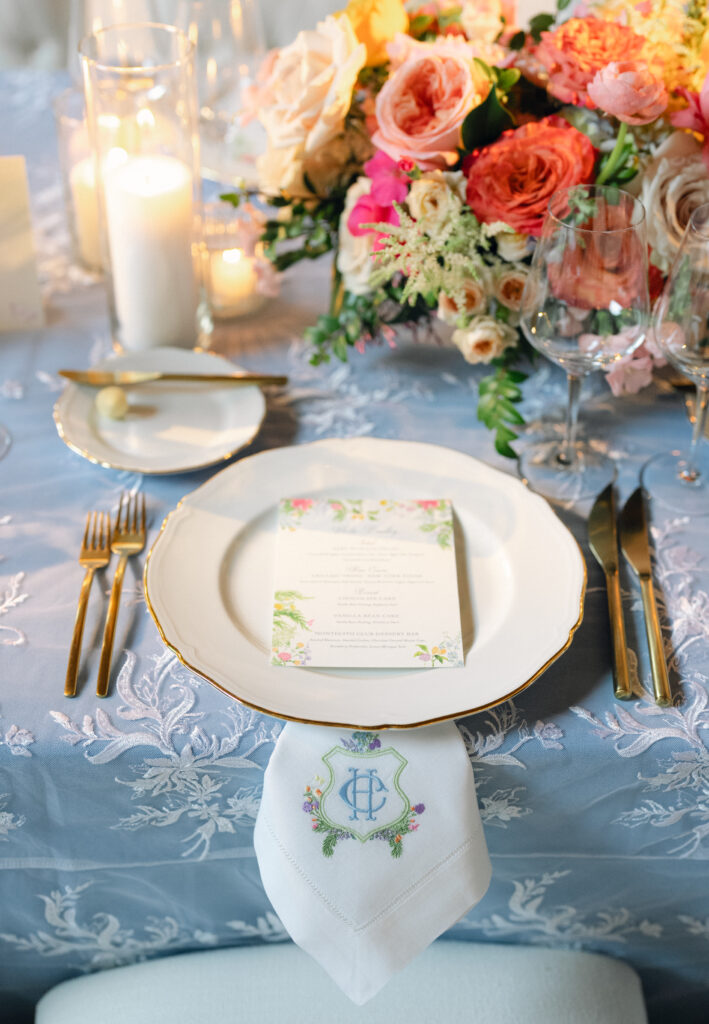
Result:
x=576 y=50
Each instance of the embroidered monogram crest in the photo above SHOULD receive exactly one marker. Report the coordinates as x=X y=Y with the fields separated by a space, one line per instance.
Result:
x=362 y=797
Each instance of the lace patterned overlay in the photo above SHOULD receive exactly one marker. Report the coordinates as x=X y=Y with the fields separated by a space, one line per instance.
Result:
x=126 y=824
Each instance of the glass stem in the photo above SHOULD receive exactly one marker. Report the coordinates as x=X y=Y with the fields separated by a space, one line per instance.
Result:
x=567 y=455
x=691 y=472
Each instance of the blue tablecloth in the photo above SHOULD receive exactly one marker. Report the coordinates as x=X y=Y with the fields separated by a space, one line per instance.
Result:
x=126 y=824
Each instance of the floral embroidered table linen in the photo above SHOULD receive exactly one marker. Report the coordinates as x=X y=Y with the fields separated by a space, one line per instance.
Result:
x=126 y=825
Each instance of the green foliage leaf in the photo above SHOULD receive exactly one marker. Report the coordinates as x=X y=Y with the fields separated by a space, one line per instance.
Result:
x=499 y=394
x=540 y=23
x=485 y=123
x=517 y=41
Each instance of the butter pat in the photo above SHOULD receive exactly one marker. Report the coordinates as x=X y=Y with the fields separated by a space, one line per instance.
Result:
x=112 y=403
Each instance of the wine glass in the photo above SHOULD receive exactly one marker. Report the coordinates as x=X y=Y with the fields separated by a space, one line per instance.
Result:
x=585 y=305
x=681 y=331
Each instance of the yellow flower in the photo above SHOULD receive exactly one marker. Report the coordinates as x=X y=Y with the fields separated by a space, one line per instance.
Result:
x=278 y=606
x=375 y=23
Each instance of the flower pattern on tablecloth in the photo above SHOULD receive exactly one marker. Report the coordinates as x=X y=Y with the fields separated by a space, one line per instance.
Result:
x=678 y=806
x=528 y=920
x=188 y=779
x=487 y=749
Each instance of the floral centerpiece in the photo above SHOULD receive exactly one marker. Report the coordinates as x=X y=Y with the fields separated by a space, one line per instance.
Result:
x=422 y=143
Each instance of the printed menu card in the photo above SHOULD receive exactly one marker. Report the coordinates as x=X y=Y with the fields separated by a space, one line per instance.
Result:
x=366 y=584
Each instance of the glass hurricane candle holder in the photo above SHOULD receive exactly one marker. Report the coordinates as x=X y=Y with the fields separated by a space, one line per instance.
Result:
x=238 y=277
x=141 y=103
x=78 y=178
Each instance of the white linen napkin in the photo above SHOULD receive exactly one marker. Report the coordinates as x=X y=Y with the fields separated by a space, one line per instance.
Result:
x=370 y=845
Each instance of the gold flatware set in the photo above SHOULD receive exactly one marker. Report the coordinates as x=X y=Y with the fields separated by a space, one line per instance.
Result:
x=127 y=538
x=131 y=378
x=604 y=535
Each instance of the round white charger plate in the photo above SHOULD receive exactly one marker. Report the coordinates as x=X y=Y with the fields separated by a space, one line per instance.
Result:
x=170 y=427
x=209 y=581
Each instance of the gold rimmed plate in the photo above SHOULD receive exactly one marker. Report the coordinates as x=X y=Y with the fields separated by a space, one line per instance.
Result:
x=209 y=583
x=170 y=427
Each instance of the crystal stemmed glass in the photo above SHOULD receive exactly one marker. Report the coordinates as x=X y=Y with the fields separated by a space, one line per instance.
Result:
x=681 y=331
x=585 y=305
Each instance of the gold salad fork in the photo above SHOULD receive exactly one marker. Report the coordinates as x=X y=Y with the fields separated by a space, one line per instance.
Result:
x=128 y=539
x=95 y=554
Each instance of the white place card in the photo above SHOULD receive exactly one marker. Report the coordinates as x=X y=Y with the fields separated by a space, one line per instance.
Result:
x=20 y=297
x=366 y=584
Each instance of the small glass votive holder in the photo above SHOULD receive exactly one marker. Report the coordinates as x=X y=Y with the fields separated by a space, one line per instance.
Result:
x=238 y=277
x=78 y=178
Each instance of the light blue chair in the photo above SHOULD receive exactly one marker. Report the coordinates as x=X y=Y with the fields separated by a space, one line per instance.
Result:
x=279 y=984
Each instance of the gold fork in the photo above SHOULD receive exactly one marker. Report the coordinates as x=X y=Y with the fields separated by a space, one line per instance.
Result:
x=95 y=553
x=128 y=539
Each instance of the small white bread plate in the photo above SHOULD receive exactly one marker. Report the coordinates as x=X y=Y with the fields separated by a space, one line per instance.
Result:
x=521 y=578
x=170 y=427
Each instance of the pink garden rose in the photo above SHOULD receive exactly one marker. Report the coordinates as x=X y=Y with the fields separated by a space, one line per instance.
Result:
x=696 y=115
x=575 y=51
x=629 y=91
x=513 y=179
x=422 y=105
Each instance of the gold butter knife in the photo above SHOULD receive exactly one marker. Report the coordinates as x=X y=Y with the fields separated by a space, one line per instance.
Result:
x=603 y=540
x=129 y=378
x=635 y=542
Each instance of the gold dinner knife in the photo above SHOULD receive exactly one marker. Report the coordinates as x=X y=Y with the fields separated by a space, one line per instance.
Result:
x=636 y=548
x=128 y=378
x=603 y=539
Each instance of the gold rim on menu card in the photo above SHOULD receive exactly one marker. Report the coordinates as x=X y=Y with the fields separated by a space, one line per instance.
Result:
x=170 y=427
x=521 y=579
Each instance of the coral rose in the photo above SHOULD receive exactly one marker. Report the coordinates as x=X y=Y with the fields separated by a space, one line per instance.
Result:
x=375 y=22
x=604 y=267
x=513 y=179
x=629 y=91
x=576 y=50
x=421 y=107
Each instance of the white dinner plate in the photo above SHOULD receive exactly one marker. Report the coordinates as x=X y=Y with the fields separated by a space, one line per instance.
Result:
x=170 y=427
x=209 y=582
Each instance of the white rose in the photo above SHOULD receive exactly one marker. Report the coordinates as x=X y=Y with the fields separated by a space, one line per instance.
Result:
x=433 y=203
x=482 y=20
x=673 y=185
x=354 y=256
x=309 y=92
x=484 y=339
x=469 y=300
x=511 y=246
x=508 y=284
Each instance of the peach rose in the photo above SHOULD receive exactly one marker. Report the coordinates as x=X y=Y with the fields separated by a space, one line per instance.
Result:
x=471 y=301
x=577 y=49
x=629 y=91
x=422 y=105
x=509 y=282
x=513 y=179
x=484 y=339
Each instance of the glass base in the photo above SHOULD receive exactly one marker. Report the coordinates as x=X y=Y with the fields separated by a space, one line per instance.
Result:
x=664 y=478
x=542 y=470
x=5 y=441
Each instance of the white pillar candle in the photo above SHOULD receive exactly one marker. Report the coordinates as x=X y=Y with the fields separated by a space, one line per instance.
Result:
x=84 y=201
x=233 y=283
x=149 y=215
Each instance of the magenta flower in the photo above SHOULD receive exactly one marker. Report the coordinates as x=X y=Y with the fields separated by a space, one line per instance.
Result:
x=302 y=503
x=696 y=115
x=390 y=183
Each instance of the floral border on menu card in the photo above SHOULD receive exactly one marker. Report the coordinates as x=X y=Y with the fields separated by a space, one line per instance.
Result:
x=429 y=516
